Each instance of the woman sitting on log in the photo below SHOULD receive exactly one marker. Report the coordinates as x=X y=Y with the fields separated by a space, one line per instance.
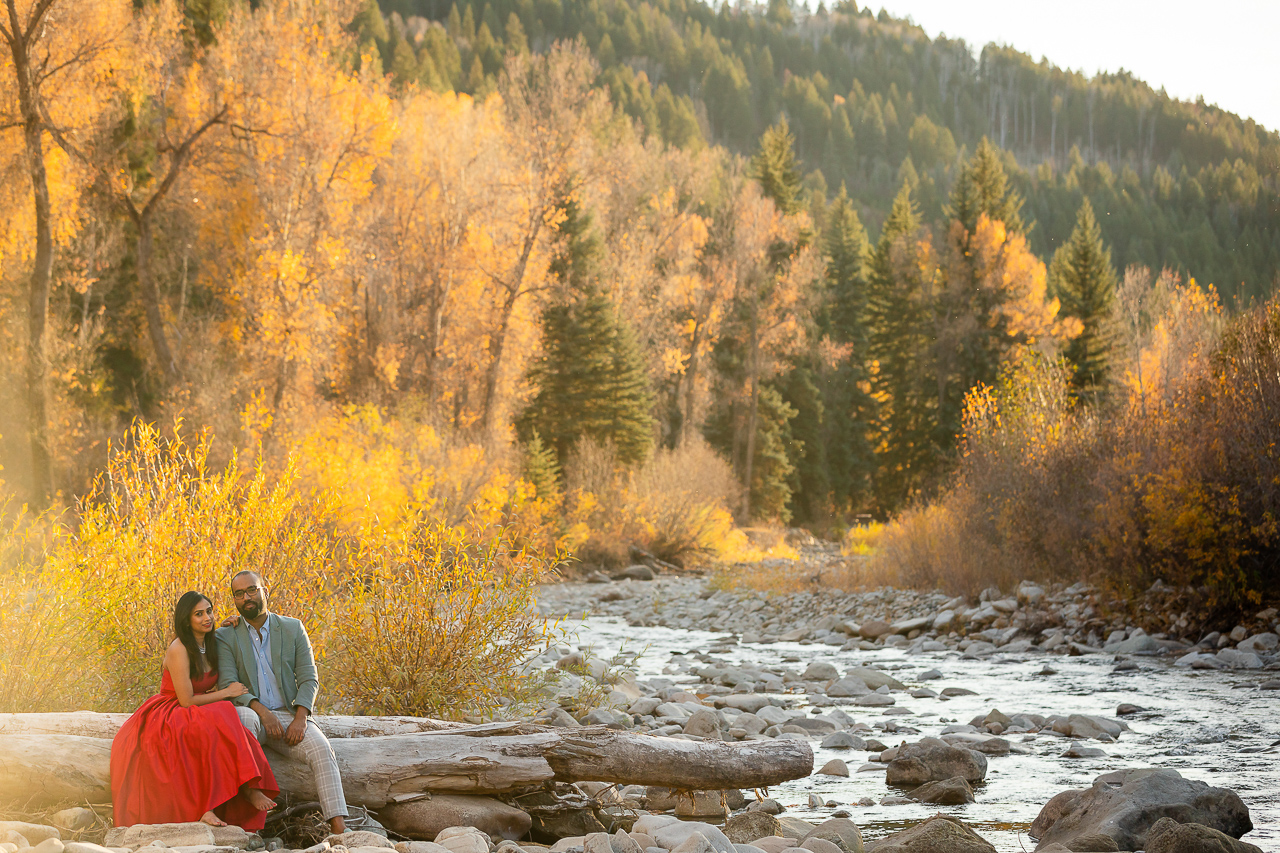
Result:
x=184 y=755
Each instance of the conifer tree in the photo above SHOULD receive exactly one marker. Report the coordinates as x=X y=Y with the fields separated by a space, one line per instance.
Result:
x=900 y=343
x=983 y=187
x=972 y=338
x=850 y=409
x=775 y=167
x=1083 y=280
x=541 y=468
x=591 y=377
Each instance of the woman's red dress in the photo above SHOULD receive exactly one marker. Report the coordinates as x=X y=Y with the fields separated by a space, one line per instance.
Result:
x=171 y=764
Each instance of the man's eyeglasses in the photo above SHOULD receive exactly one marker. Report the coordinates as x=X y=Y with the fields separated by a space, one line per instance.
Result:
x=239 y=594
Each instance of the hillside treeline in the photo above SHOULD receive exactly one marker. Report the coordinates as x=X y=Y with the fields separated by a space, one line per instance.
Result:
x=873 y=100
x=522 y=305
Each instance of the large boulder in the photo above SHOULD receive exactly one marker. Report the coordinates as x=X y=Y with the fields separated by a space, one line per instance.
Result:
x=931 y=760
x=938 y=834
x=1127 y=803
x=1168 y=836
x=423 y=819
x=840 y=831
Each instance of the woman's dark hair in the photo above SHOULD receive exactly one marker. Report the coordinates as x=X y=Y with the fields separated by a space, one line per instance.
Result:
x=182 y=611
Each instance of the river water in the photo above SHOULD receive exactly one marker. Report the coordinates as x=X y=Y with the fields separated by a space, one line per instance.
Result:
x=1214 y=726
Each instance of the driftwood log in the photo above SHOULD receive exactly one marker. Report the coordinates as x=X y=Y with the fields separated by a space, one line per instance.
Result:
x=38 y=768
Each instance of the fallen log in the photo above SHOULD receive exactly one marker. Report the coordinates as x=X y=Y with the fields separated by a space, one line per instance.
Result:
x=45 y=769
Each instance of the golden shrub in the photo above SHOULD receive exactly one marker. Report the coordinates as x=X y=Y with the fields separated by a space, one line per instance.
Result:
x=441 y=614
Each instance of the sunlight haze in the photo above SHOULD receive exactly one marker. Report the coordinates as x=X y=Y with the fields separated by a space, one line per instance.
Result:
x=1223 y=51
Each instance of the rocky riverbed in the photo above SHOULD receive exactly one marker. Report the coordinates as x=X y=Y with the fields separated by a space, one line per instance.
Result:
x=1023 y=719
x=1032 y=685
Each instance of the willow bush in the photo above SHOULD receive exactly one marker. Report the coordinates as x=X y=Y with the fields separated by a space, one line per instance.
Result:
x=86 y=623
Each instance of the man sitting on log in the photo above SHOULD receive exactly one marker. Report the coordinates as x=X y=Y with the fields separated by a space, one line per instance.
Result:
x=271 y=655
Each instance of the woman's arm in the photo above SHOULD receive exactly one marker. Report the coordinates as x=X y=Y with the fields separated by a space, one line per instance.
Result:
x=175 y=660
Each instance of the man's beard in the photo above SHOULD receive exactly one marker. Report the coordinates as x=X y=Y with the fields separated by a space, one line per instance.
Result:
x=249 y=609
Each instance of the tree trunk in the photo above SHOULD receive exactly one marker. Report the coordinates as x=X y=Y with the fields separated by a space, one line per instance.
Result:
x=38 y=770
x=752 y=414
x=20 y=44
x=151 y=298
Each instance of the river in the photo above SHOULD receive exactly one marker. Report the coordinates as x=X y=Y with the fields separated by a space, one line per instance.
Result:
x=1215 y=726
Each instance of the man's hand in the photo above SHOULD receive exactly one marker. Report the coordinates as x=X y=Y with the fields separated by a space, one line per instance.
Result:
x=269 y=721
x=297 y=729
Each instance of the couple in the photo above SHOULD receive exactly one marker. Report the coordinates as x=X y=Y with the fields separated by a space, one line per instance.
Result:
x=186 y=754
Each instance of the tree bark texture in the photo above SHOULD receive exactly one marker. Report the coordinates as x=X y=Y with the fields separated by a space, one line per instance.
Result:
x=40 y=770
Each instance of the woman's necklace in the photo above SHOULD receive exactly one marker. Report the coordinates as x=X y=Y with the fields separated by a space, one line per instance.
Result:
x=201 y=648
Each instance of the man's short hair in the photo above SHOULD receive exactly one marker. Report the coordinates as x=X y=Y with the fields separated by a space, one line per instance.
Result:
x=246 y=572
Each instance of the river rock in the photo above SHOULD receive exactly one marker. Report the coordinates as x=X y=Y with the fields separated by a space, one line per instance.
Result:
x=704 y=724
x=794 y=827
x=842 y=740
x=74 y=819
x=775 y=844
x=1125 y=804
x=820 y=670
x=938 y=834
x=875 y=700
x=840 y=831
x=818 y=845
x=750 y=826
x=768 y=805
x=932 y=760
x=846 y=687
x=834 y=767
x=695 y=842
x=34 y=833
x=87 y=847
x=1239 y=660
x=168 y=834
x=949 y=792
x=635 y=573
x=404 y=847
x=672 y=835
x=874 y=679
x=1259 y=644
x=747 y=702
x=1143 y=644
x=363 y=838
x=874 y=629
x=1168 y=836
x=1095 y=843
x=425 y=818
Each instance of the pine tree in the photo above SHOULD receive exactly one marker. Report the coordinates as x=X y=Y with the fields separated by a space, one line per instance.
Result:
x=846 y=389
x=903 y=374
x=1083 y=280
x=541 y=468
x=591 y=377
x=776 y=168
x=972 y=338
x=982 y=187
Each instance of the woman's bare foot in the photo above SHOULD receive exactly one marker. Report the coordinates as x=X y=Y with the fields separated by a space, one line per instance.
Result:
x=260 y=801
x=212 y=819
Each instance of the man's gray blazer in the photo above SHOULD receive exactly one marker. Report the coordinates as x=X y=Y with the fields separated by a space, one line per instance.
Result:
x=291 y=658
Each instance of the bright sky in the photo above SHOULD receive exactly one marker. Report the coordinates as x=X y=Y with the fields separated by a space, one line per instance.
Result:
x=1228 y=50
